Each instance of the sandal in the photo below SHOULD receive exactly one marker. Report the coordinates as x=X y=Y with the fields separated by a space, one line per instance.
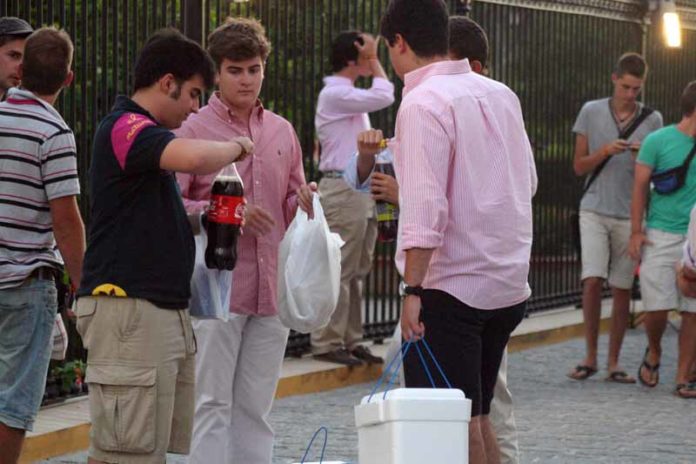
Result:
x=620 y=377
x=582 y=372
x=652 y=369
x=686 y=390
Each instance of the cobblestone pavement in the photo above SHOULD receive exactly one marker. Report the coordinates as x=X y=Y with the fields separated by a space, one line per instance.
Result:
x=559 y=420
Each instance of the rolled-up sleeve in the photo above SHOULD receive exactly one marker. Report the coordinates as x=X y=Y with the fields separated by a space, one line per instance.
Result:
x=422 y=162
x=350 y=175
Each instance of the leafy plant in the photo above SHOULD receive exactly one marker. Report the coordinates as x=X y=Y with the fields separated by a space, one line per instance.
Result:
x=70 y=375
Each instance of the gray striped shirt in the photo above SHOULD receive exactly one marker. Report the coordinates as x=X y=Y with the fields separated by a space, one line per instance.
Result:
x=37 y=164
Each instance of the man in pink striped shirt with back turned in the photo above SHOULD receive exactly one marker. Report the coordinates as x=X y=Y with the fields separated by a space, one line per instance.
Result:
x=239 y=361
x=466 y=174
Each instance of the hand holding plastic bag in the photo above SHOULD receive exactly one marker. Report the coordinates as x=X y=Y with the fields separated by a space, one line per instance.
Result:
x=309 y=271
x=210 y=288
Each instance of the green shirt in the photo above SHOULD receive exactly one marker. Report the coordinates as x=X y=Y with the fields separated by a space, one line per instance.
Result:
x=665 y=149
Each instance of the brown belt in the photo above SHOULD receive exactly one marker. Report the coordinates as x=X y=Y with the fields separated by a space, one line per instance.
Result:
x=332 y=174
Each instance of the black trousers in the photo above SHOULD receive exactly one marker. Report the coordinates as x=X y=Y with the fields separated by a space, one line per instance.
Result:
x=467 y=342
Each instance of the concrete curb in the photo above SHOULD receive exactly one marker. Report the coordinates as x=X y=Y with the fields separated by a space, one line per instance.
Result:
x=49 y=445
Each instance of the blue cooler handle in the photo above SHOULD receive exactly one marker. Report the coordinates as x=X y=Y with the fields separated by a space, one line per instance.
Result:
x=394 y=368
x=323 y=448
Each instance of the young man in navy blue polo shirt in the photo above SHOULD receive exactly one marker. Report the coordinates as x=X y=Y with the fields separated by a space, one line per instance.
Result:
x=132 y=309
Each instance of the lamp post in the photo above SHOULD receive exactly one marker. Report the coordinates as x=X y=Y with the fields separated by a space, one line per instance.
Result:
x=664 y=13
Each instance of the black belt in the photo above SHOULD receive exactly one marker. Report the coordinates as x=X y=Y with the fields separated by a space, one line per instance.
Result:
x=332 y=174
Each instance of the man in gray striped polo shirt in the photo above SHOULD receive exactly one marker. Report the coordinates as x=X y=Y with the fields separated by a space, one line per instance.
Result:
x=38 y=218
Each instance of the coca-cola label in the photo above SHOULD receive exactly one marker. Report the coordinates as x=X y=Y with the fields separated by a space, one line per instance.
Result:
x=387 y=212
x=225 y=209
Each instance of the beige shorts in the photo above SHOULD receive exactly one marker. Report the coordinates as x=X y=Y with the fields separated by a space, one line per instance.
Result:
x=140 y=372
x=658 y=274
x=604 y=242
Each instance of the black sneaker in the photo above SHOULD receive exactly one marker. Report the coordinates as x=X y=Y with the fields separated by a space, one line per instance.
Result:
x=339 y=356
x=364 y=353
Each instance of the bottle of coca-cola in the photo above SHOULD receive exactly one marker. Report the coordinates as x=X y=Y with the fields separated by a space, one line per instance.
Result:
x=387 y=213
x=224 y=219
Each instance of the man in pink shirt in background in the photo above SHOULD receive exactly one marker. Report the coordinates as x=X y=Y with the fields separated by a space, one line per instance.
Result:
x=239 y=361
x=466 y=174
x=341 y=115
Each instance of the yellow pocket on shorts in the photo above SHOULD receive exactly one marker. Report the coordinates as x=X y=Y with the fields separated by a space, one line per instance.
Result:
x=122 y=401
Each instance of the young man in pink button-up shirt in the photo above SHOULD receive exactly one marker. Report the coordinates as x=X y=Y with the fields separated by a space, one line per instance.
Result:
x=238 y=363
x=342 y=113
x=466 y=174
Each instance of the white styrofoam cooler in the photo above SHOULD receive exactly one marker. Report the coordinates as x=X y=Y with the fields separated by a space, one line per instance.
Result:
x=414 y=426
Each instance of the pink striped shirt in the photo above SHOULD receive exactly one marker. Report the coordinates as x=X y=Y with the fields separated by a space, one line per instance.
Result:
x=271 y=177
x=467 y=177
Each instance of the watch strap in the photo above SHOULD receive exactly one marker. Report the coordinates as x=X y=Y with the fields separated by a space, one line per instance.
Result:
x=417 y=290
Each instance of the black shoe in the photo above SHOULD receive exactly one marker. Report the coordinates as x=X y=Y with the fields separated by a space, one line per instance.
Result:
x=364 y=353
x=339 y=356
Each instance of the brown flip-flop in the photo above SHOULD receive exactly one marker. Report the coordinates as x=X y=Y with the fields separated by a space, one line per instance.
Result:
x=686 y=390
x=620 y=377
x=653 y=369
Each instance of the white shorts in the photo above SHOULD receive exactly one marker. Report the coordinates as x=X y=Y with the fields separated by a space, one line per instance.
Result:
x=604 y=241
x=658 y=273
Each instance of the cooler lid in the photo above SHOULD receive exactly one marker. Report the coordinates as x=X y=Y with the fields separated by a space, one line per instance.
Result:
x=414 y=404
x=417 y=394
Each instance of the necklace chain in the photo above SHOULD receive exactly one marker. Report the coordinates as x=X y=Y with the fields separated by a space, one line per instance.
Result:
x=620 y=119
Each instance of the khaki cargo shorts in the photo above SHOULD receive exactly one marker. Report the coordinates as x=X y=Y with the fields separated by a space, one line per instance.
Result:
x=140 y=372
x=604 y=241
x=658 y=273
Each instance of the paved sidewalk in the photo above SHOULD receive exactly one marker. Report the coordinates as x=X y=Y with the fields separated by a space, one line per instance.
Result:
x=559 y=420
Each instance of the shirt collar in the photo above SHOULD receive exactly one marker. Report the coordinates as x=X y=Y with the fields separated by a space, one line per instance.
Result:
x=330 y=81
x=124 y=103
x=414 y=78
x=20 y=96
x=225 y=113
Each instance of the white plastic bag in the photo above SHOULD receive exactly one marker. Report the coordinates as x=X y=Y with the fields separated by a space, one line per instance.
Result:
x=210 y=288
x=60 y=339
x=309 y=272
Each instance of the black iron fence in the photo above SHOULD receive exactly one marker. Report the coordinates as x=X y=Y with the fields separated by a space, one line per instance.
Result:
x=555 y=54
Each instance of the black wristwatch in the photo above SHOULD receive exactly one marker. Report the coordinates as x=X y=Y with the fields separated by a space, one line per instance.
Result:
x=405 y=290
